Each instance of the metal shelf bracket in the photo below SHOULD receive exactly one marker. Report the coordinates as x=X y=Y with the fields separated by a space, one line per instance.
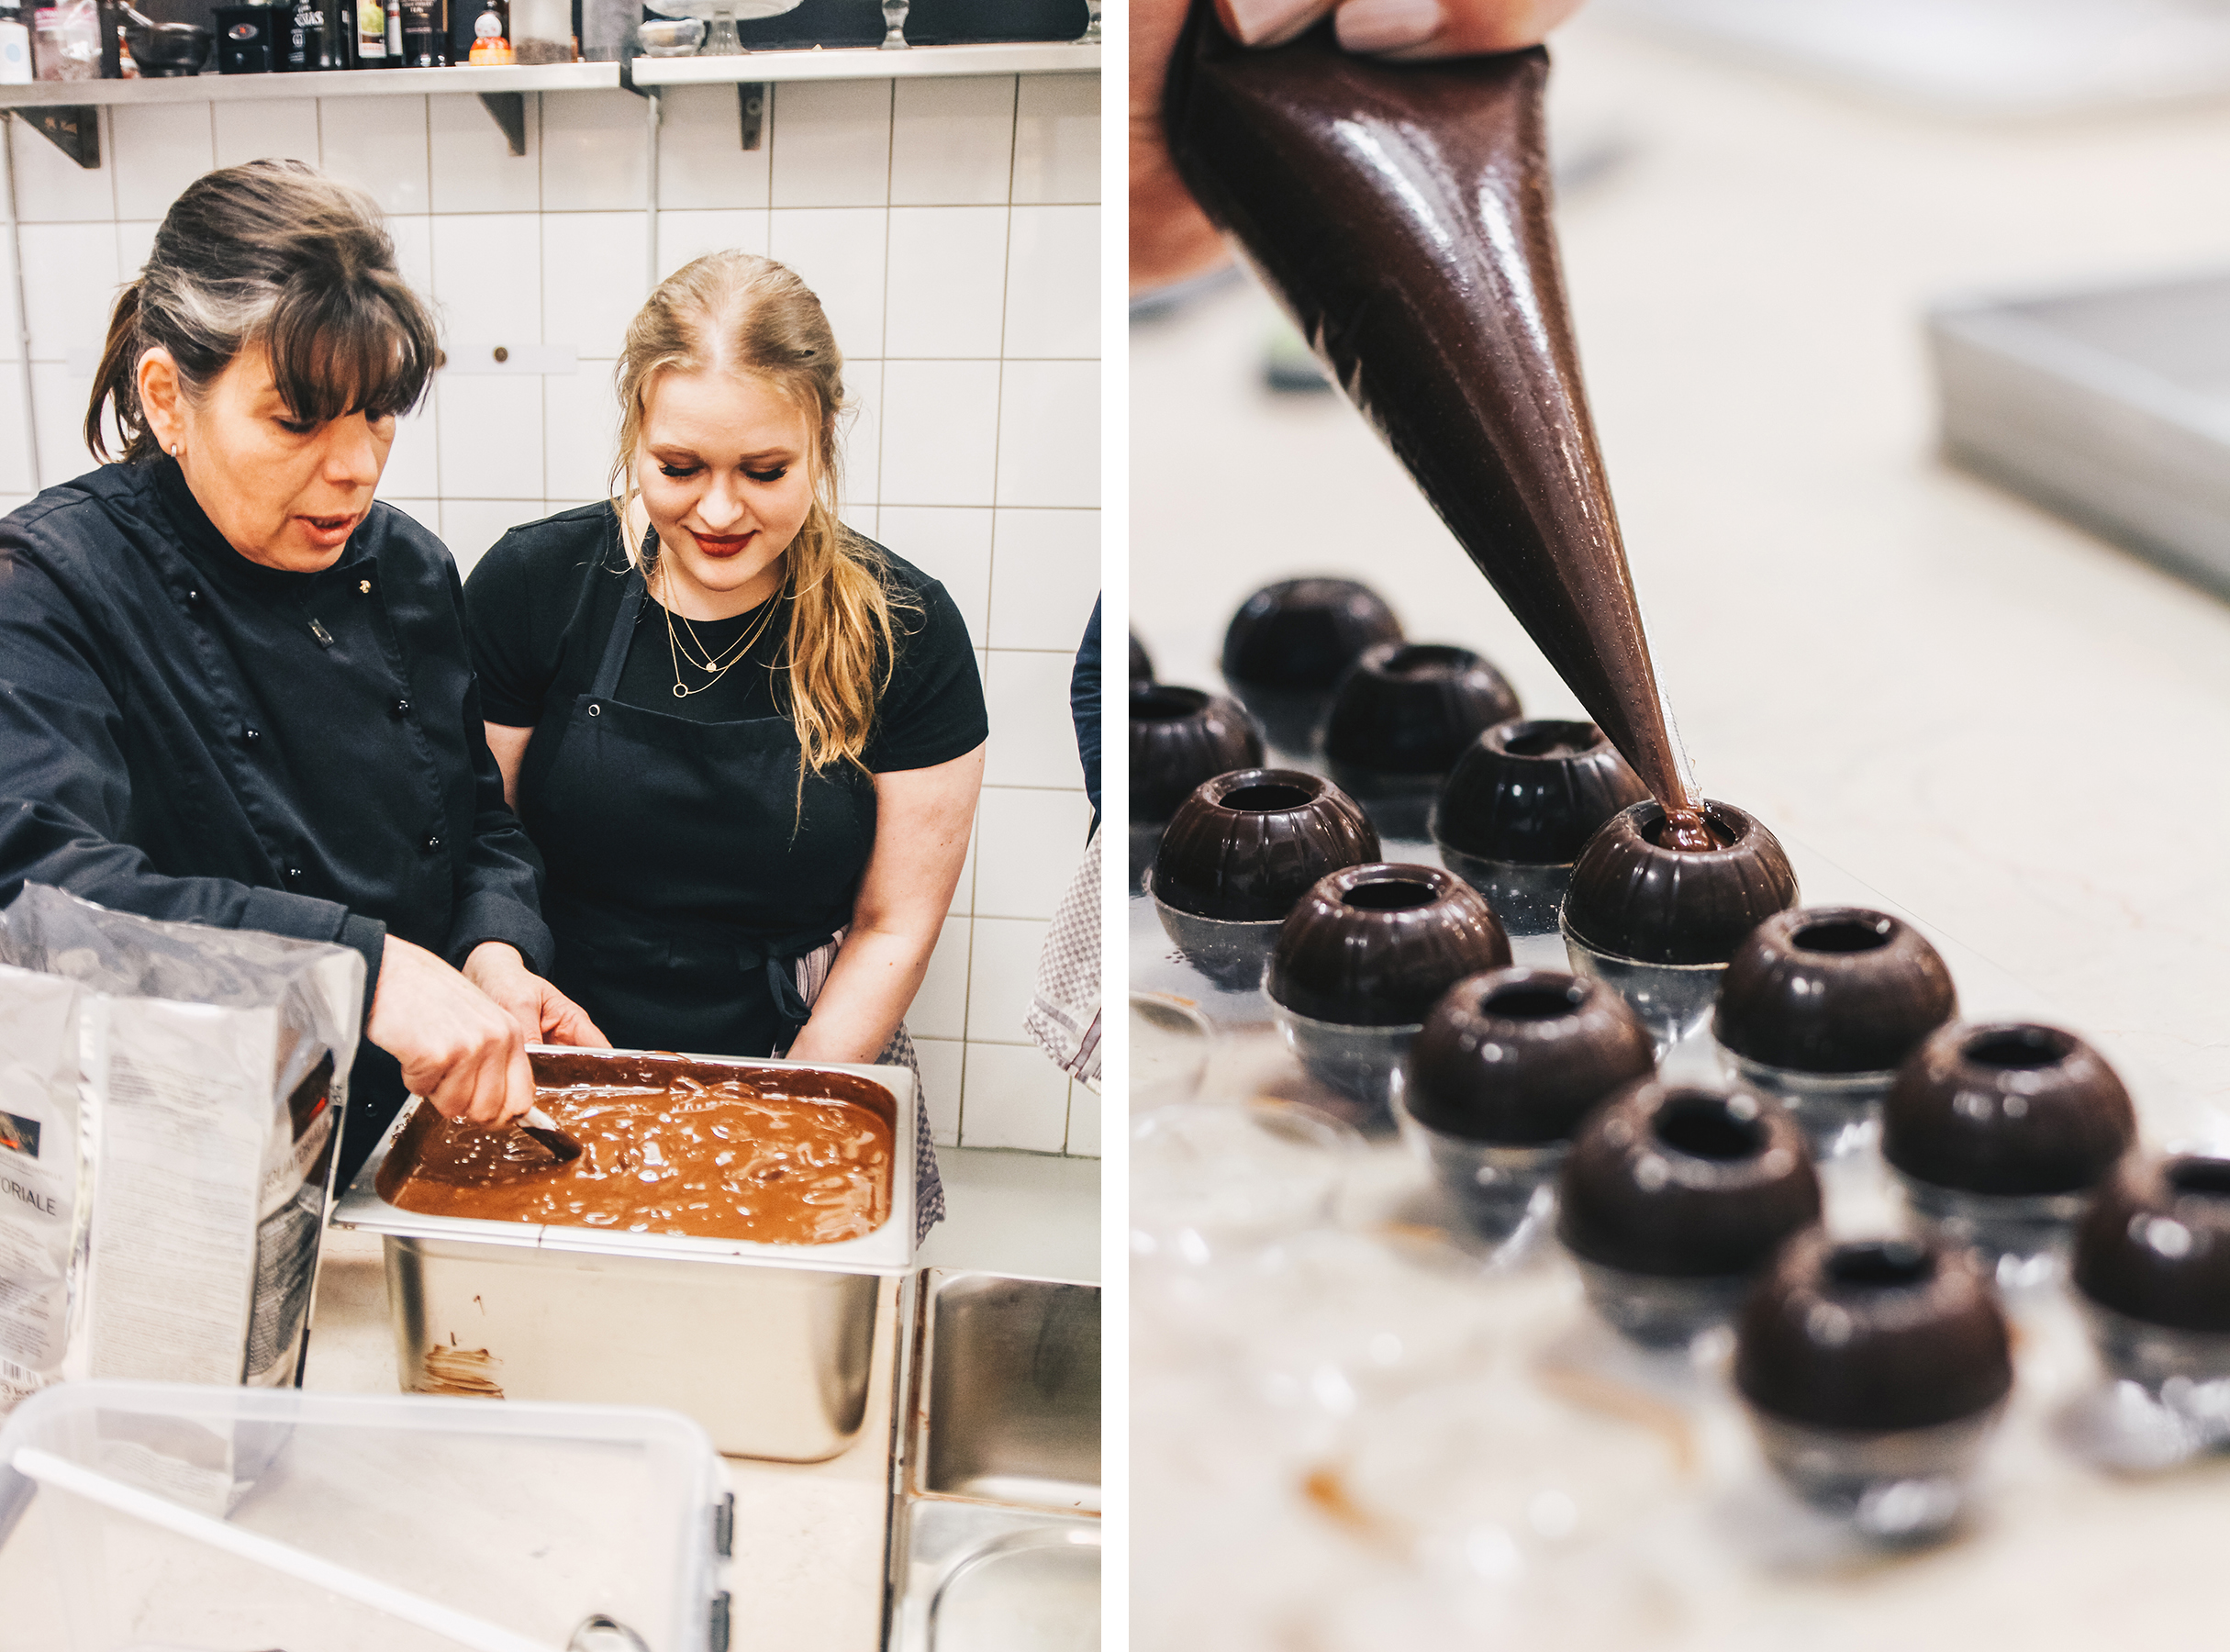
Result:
x=73 y=129
x=509 y=110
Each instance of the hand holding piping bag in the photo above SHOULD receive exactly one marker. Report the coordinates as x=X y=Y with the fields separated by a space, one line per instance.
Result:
x=1171 y=240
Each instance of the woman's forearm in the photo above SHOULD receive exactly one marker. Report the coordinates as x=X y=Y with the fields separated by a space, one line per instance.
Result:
x=870 y=987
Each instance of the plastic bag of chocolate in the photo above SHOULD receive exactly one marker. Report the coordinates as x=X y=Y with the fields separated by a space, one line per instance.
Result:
x=171 y=1096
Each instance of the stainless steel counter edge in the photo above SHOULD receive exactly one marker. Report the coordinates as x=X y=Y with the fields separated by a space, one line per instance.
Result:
x=889 y=1250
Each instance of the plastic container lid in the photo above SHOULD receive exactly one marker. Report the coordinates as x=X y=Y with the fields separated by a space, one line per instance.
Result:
x=536 y=1518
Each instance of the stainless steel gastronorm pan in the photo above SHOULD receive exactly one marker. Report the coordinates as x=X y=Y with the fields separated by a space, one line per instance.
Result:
x=769 y=1346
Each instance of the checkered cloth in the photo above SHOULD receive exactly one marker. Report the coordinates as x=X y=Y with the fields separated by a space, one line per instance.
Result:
x=1064 y=998
x=929 y=1187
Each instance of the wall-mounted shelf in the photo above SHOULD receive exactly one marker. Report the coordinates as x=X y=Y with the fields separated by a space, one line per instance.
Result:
x=356 y=83
x=870 y=62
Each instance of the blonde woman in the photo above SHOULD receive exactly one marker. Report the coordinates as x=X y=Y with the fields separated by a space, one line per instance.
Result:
x=747 y=741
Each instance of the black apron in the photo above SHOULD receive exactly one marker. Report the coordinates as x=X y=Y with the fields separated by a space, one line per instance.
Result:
x=688 y=871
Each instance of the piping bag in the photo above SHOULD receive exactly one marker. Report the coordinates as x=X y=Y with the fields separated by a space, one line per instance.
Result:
x=1401 y=214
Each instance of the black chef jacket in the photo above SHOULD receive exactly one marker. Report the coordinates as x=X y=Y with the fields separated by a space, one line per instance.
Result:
x=188 y=734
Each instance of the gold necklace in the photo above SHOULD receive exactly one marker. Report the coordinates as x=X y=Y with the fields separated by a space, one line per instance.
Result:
x=703 y=659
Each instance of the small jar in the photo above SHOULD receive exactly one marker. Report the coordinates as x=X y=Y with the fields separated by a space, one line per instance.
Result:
x=1179 y=737
x=1658 y=924
x=1290 y=642
x=1874 y=1371
x=1400 y=718
x=1999 y=1132
x=1821 y=1006
x=1236 y=857
x=1519 y=807
x=2152 y=1272
x=1674 y=1199
x=1361 y=960
x=1507 y=1066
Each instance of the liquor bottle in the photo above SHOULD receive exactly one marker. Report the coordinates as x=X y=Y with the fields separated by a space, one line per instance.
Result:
x=425 y=33
x=395 y=34
x=368 y=42
x=308 y=45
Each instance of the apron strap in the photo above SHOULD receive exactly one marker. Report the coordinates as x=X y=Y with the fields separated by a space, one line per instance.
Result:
x=607 y=683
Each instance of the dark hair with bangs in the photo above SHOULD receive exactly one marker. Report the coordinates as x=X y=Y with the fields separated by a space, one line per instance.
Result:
x=272 y=253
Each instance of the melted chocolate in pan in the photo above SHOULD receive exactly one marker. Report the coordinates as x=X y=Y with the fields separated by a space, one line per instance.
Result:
x=727 y=1160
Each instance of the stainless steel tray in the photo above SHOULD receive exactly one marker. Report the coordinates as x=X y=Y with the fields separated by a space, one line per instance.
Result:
x=2108 y=406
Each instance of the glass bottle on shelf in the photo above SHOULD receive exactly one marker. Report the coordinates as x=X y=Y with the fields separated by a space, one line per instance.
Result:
x=369 y=42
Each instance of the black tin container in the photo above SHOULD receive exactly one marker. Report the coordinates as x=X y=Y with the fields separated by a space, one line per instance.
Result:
x=1361 y=960
x=1289 y=645
x=1506 y=1066
x=1236 y=857
x=1659 y=924
x=1179 y=737
x=1520 y=805
x=1998 y=1133
x=1821 y=1006
x=247 y=38
x=1401 y=716
x=1674 y=1197
x=1874 y=1371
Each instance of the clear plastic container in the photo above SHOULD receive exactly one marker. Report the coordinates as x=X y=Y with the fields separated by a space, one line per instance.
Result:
x=536 y=1520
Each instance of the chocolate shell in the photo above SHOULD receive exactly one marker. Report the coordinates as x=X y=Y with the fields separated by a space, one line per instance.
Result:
x=1531 y=794
x=1633 y=898
x=1833 y=989
x=1408 y=709
x=1873 y=1335
x=2156 y=1243
x=1299 y=636
x=1141 y=662
x=1685 y=1181
x=1517 y=1057
x=1246 y=846
x=1376 y=946
x=2009 y=1108
x=1181 y=737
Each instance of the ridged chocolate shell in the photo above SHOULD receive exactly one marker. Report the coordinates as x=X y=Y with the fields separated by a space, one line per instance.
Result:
x=1412 y=708
x=1685 y=1181
x=1533 y=792
x=2156 y=1243
x=1301 y=634
x=1181 y=737
x=1873 y=1335
x=1141 y=662
x=1246 y=846
x=1833 y=989
x=1376 y=946
x=1520 y=1056
x=2007 y=1107
x=1633 y=899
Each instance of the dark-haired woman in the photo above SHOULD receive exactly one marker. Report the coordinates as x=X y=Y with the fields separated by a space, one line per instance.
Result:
x=235 y=690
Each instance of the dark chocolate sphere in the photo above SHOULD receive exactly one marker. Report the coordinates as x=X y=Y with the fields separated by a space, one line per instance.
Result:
x=1411 y=709
x=1533 y=792
x=1141 y=662
x=1301 y=634
x=1833 y=989
x=1685 y=1181
x=1633 y=898
x=1873 y=1335
x=1181 y=737
x=2006 y=1108
x=1519 y=1056
x=1376 y=946
x=1246 y=846
x=2156 y=1243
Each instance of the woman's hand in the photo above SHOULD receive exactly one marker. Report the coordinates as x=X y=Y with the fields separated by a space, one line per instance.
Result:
x=459 y=1048
x=542 y=1013
x=1171 y=239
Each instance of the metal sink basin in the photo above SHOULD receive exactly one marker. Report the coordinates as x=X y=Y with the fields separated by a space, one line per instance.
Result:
x=995 y=1519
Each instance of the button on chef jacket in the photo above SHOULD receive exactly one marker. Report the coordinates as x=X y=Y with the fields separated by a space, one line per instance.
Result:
x=189 y=735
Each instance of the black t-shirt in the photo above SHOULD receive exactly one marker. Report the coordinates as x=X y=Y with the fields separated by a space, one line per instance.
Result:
x=542 y=603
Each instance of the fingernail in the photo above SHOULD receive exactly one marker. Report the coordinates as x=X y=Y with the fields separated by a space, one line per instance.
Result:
x=1268 y=22
x=1387 y=25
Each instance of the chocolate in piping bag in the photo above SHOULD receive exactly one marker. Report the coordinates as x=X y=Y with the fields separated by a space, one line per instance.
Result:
x=1401 y=212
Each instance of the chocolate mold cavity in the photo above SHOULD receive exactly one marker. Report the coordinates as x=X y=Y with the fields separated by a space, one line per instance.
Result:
x=1237 y=855
x=1674 y=1197
x=1999 y=1132
x=1361 y=960
x=1401 y=716
x=1289 y=645
x=1519 y=807
x=1821 y=1006
x=1874 y=1371
x=1507 y=1066
x=1181 y=737
x=1660 y=924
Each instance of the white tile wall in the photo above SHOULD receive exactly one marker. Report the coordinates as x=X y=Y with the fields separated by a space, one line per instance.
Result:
x=951 y=228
